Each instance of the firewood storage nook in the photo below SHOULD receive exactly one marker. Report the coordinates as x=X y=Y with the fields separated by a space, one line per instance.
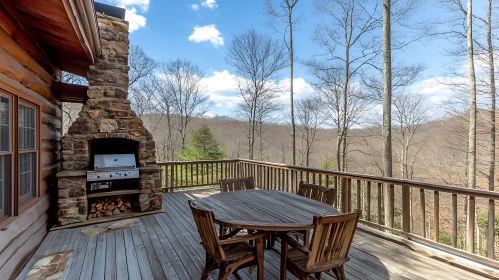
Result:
x=108 y=156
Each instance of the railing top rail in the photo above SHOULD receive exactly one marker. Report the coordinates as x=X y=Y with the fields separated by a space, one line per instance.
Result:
x=196 y=161
x=384 y=180
x=355 y=176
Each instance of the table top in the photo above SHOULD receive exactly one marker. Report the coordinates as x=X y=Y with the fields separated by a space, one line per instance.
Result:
x=265 y=210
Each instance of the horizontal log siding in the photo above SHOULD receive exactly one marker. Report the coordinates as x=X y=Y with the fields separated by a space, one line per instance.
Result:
x=22 y=75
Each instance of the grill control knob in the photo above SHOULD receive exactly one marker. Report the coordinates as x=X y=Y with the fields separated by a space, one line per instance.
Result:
x=98 y=175
x=111 y=175
x=126 y=173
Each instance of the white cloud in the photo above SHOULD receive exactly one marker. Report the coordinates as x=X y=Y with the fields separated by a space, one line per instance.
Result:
x=207 y=33
x=135 y=20
x=195 y=7
x=209 y=4
x=223 y=91
x=142 y=4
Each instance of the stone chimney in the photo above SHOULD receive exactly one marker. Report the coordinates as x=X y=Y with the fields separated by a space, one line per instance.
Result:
x=107 y=114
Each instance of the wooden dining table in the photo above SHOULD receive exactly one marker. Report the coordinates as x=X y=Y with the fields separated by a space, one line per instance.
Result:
x=265 y=210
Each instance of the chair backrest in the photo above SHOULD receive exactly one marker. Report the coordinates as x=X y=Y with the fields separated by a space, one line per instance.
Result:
x=316 y=192
x=238 y=184
x=206 y=227
x=331 y=239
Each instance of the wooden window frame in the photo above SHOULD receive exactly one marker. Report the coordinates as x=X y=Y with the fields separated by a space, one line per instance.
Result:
x=9 y=190
x=15 y=204
x=23 y=201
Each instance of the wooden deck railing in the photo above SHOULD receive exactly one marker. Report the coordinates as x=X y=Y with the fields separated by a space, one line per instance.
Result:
x=429 y=213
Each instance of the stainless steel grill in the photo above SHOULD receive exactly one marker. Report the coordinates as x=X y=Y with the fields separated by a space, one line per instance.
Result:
x=113 y=167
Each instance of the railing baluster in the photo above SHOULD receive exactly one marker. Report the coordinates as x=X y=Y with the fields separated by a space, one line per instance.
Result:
x=349 y=195
x=216 y=172
x=380 y=188
x=436 y=215
x=359 y=205
x=406 y=208
x=423 y=212
x=327 y=181
x=344 y=196
x=368 y=190
x=286 y=182
x=391 y=216
x=470 y=234
x=491 y=231
x=454 y=220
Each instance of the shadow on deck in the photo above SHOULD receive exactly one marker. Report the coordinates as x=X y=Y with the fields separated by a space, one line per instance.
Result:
x=166 y=246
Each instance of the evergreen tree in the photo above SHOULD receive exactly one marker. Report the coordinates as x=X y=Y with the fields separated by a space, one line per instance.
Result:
x=203 y=146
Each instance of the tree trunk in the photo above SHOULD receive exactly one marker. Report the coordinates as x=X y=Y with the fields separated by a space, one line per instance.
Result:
x=291 y=62
x=472 y=125
x=492 y=132
x=387 y=107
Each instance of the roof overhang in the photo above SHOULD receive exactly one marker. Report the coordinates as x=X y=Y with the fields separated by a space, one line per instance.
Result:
x=66 y=30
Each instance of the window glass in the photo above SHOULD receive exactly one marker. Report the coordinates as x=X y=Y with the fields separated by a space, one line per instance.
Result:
x=28 y=154
x=5 y=129
x=27 y=133
x=2 y=182
x=27 y=173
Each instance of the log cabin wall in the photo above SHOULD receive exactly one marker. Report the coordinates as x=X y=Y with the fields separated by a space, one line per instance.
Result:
x=24 y=79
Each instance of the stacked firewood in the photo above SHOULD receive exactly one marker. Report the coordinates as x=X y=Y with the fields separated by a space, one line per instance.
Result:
x=109 y=206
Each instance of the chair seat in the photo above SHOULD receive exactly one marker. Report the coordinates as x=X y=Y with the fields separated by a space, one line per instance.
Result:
x=299 y=259
x=237 y=251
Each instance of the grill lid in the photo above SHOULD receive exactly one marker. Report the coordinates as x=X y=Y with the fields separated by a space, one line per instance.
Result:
x=114 y=161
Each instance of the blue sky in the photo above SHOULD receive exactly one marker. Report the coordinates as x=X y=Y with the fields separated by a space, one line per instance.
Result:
x=199 y=30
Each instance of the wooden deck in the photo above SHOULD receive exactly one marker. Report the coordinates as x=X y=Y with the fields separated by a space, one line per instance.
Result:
x=166 y=246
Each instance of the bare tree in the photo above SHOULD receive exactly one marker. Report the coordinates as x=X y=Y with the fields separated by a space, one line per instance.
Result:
x=70 y=110
x=141 y=65
x=410 y=114
x=166 y=109
x=387 y=96
x=346 y=36
x=284 y=13
x=184 y=85
x=341 y=111
x=310 y=116
x=257 y=59
x=488 y=49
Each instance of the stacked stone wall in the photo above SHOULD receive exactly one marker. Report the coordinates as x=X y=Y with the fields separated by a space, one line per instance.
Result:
x=106 y=114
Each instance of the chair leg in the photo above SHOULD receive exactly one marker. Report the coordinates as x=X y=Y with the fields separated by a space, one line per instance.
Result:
x=237 y=276
x=223 y=273
x=339 y=272
x=306 y=237
x=260 y=254
x=209 y=262
x=318 y=275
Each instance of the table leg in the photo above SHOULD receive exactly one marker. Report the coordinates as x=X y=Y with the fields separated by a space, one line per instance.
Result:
x=284 y=257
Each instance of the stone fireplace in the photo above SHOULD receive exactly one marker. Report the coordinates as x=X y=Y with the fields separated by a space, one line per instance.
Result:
x=107 y=124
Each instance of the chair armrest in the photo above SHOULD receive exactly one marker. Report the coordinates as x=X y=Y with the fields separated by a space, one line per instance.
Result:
x=294 y=243
x=230 y=234
x=244 y=238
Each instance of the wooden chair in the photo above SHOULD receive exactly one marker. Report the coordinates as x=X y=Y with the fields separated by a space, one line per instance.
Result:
x=316 y=192
x=328 y=249
x=228 y=253
x=238 y=184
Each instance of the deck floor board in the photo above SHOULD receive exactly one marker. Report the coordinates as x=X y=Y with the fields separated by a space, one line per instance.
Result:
x=166 y=246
